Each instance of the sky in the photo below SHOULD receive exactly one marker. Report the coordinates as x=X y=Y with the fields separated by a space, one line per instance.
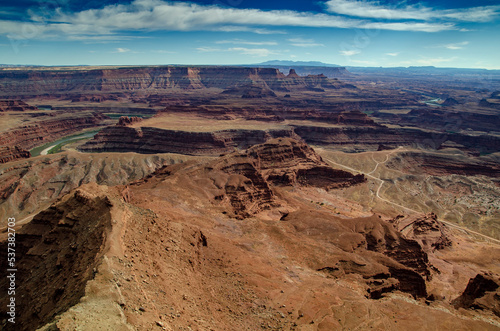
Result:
x=441 y=33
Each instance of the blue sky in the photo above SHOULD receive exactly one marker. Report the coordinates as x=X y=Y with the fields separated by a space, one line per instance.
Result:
x=441 y=33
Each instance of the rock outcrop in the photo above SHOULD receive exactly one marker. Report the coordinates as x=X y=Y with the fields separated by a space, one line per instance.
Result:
x=482 y=292
x=15 y=105
x=288 y=162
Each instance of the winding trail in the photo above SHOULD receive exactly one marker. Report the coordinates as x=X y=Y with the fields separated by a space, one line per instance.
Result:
x=466 y=230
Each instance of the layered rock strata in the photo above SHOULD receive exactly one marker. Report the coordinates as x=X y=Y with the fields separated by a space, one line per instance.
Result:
x=38 y=82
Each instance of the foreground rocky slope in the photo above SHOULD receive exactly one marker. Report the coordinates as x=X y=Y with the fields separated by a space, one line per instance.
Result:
x=246 y=241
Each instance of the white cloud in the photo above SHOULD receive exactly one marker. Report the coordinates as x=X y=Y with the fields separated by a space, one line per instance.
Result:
x=392 y=54
x=405 y=26
x=349 y=53
x=457 y=45
x=122 y=50
x=209 y=49
x=246 y=42
x=157 y=15
x=256 y=52
x=373 y=9
x=301 y=42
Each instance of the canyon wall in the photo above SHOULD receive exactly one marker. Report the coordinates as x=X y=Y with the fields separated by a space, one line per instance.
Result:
x=150 y=140
x=40 y=82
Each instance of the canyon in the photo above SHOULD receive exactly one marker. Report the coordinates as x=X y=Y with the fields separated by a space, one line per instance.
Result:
x=242 y=198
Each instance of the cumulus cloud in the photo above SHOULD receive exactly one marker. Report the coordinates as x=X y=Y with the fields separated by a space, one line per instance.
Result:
x=373 y=9
x=157 y=15
x=122 y=50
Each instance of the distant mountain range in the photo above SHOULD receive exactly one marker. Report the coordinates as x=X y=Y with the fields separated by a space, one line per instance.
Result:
x=296 y=63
